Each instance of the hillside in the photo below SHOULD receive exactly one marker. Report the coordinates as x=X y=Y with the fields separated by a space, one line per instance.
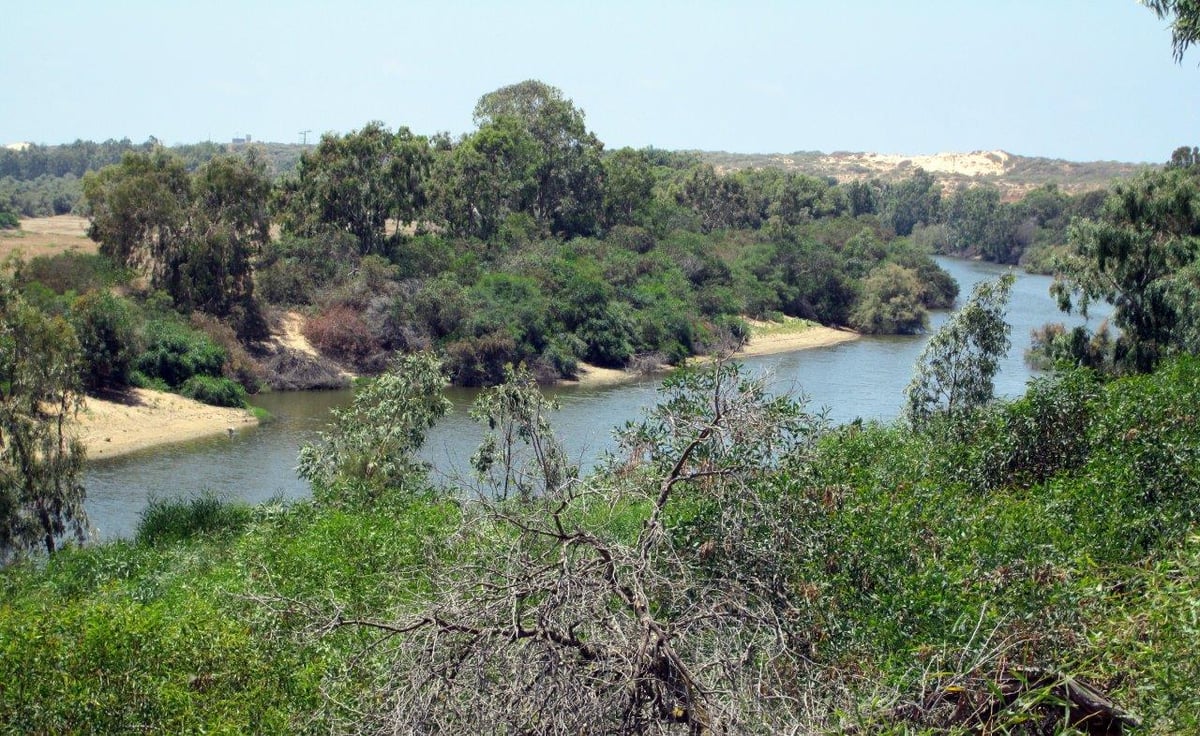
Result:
x=1013 y=174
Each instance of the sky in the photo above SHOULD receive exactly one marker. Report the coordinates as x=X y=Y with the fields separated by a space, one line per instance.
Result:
x=1081 y=80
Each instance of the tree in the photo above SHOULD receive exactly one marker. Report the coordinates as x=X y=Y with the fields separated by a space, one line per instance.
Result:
x=41 y=493
x=719 y=200
x=912 y=201
x=358 y=183
x=1185 y=22
x=140 y=211
x=229 y=228
x=370 y=447
x=955 y=370
x=891 y=302
x=520 y=456
x=568 y=173
x=489 y=176
x=628 y=187
x=195 y=236
x=1138 y=256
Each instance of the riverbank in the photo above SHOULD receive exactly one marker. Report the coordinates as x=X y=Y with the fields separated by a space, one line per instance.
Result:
x=143 y=418
x=789 y=335
x=766 y=338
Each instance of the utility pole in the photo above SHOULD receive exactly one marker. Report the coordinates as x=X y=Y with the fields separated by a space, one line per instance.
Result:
x=304 y=137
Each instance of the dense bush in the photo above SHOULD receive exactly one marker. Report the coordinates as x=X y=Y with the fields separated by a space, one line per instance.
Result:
x=341 y=333
x=214 y=390
x=294 y=271
x=174 y=353
x=70 y=271
x=480 y=361
x=106 y=327
x=891 y=302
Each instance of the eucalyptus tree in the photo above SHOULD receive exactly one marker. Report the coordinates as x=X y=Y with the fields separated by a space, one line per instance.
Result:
x=955 y=371
x=915 y=200
x=359 y=183
x=485 y=178
x=41 y=488
x=568 y=174
x=628 y=187
x=1141 y=257
x=140 y=211
x=1185 y=22
x=194 y=235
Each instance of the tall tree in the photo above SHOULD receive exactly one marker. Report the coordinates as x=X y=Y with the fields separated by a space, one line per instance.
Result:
x=915 y=200
x=196 y=236
x=1139 y=256
x=41 y=491
x=628 y=187
x=229 y=229
x=719 y=200
x=140 y=211
x=358 y=183
x=955 y=370
x=568 y=195
x=487 y=177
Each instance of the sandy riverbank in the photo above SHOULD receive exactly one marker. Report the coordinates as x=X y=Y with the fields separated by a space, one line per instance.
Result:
x=149 y=419
x=769 y=338
x=766 y=338
x=152 y=418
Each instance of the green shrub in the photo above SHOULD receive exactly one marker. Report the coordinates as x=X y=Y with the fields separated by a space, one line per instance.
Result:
x=174 y=353
x=168 y=521
x=480 y=361
x=71 y=271
x=104 y=324
x=9 y=221
x=214 y=390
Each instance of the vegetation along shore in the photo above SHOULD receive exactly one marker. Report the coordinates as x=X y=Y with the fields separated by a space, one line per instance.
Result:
x=736 y=565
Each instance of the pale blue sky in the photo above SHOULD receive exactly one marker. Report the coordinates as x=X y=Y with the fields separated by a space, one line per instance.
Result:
x=1074 y=79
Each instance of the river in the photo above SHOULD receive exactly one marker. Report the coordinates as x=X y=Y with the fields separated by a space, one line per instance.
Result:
x=864 y=378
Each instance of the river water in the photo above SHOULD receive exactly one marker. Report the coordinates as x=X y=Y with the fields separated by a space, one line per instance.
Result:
x=864 y=378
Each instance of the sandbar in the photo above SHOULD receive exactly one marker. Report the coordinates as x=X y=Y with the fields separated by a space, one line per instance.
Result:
x=766 y=338
x=143 y=418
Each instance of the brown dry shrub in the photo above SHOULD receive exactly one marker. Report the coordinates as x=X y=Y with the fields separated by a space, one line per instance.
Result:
x=480 y=361
x=340 y=333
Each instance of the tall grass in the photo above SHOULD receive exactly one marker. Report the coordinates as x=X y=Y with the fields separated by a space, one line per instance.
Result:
x=168 y=521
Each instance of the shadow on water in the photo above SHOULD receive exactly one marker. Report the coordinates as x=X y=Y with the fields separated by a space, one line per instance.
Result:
x=864 y=378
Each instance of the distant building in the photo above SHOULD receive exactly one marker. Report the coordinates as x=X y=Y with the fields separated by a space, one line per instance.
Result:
x=242 y=141
x=18 y=146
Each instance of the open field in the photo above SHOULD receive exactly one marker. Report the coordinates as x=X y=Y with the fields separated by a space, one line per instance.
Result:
x=44 y=236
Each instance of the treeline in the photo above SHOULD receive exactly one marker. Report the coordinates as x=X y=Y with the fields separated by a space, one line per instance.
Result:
x=40 y=181
x=526 y=242
x=521 y=242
